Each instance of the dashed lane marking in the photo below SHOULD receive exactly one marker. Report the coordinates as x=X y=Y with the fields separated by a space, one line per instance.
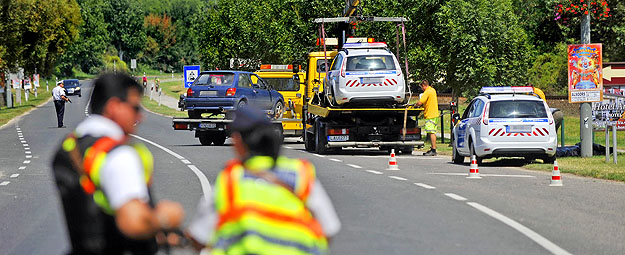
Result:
x=27 y=152
x=398 y=178
x=22 y=141
x=456 y=197
x=287 y=147
x=25 y=145
x=336 y=160
x=374 y=172
x=22 y=168
x=29 y=156
x=489 y=175
x=425 y=186
x=317 y=155
x=15 y=175
x=553 y=248
x=26 y=162
x=4 y=183
x=26 y=148
x=355 y=166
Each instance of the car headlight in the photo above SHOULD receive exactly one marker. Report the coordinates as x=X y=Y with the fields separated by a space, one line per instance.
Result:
x=77 y=88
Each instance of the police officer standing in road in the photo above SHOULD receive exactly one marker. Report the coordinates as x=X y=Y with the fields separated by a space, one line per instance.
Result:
x=104 y=180
x=58 y=95
x=264 y=203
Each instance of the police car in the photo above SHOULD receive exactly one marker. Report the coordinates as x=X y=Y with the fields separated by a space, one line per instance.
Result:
x=365 y=73
x=505 y=122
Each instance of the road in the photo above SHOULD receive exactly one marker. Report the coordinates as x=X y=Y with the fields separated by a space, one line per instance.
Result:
x=427 y=207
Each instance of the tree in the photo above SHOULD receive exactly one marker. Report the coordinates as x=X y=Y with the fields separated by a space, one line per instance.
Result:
x=35 y=33
x=125 y=19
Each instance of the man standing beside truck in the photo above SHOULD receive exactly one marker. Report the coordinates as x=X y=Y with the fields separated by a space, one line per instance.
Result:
x=430 y=104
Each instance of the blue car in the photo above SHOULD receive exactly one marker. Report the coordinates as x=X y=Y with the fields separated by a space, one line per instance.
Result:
x=217 y=92
x=72 y=87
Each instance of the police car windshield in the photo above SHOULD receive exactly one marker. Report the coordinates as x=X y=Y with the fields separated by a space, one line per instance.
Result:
x=217 y=79
x=282 y=84
x=370 y=63
x=517 y=109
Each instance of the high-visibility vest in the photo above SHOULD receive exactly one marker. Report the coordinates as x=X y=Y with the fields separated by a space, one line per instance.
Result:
x=261 y=217
x=94 y=157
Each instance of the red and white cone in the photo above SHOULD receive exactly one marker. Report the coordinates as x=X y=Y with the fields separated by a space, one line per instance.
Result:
x=556 y=179
x=474 y=172
x=392 y=162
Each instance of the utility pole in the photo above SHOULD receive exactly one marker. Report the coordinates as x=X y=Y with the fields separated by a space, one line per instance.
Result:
x=585 y=109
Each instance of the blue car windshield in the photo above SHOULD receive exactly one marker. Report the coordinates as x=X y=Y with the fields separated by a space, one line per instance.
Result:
x=217 y=79
x=71 y=83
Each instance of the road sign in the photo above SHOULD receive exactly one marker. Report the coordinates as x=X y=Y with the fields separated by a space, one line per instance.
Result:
x=609 y=112
x=36 y=80
x=190 y=74
x=585 y=73
x=613 y=73
x=133 y=63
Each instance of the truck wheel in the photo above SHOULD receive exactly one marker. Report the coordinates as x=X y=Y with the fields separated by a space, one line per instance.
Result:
x=206 y=140
x=455 y=156
x=193 y=114
x=320 y=139
x=309 y=141
x=219 y=139
x=406 y=150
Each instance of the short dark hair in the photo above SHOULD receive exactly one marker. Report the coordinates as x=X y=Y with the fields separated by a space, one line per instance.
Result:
x=110 y=85
x=262 y=141
x=425 y=82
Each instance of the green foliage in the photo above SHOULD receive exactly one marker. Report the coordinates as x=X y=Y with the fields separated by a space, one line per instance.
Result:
x=35 y=33
x=125 y=19
x=549 y=71
x=113 y=63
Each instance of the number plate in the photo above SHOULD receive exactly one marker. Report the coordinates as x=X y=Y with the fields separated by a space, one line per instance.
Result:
x=371 y=80
x=208 y=93
x=338 y=138
x=70 y=90
x=208 y=125
x=519 y=129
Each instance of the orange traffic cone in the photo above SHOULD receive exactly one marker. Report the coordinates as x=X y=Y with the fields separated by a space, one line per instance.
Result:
x=392 y=162
x=556 y=179
x=474 y=172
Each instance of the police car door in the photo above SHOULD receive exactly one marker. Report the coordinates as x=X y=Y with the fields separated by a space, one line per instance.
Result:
x=462 y=141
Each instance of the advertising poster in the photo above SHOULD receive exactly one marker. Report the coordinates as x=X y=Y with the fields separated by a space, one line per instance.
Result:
x=27 y=84
x=36 y=80
x=585 y=73
x=610 y=111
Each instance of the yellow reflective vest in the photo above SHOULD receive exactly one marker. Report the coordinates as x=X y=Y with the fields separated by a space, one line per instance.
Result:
x=258 y=216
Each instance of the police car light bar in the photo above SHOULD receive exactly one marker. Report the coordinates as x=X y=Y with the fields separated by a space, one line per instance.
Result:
x=365 y=45
x=507 y=90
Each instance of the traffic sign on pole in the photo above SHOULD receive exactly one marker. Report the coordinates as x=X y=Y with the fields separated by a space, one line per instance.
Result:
x=190 y=74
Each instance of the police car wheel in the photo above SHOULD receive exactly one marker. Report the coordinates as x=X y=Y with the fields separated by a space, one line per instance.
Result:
x=478 y=159
x=549 y=160
x=455 y=156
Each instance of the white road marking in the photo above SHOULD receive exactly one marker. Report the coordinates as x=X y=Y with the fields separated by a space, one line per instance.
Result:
x=26 y=162
x=553 y=248
x=21 y=138
x=26 y=148
x=456 y=197
x=336 y=160
x=25 y=145
x=4 y=183
x=29 y=156
x=398 y=178
x=206 y=187
x=15 y=175
x=22 y=141
x=186 y=161
x=287 y=147
x=425 y=186
x=354 y=166
x=27 y=152
x=20 y=135
x=22 y=168
x=317 y=155
x=489 y=175
x=373 y=172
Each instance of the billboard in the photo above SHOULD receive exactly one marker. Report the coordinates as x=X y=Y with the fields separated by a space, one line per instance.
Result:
x=610 y=111
x=585 y=73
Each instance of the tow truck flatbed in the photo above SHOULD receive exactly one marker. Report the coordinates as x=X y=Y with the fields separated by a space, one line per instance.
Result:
x=328 y=111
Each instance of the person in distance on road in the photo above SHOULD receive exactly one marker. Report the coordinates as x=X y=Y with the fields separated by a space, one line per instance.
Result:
x=430 y=104
x=264 y=203
x=104 y=180
x=58 y=95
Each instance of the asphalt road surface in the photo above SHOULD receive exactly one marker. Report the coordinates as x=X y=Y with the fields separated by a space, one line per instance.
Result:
x=427 y=207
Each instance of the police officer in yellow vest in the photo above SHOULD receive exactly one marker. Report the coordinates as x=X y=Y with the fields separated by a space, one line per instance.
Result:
x=103 y=179
x=264 y=203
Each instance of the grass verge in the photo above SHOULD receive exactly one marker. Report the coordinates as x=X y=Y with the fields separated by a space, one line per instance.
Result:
x=595 y=167
x=7 y=114
x=173 y=88
x=161 y=109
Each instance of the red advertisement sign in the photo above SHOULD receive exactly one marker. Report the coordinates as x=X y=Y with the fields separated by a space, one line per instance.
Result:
x=585 y=73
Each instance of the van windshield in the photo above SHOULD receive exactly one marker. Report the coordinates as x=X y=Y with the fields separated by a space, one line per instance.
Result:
x=217 y=79
x=370 y=63
x=517 y=109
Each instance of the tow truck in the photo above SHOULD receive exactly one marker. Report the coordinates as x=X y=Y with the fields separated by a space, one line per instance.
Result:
x=330 y=128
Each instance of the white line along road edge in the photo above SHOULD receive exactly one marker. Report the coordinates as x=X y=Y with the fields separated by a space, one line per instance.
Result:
x=206 y=186
x=553 y=248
